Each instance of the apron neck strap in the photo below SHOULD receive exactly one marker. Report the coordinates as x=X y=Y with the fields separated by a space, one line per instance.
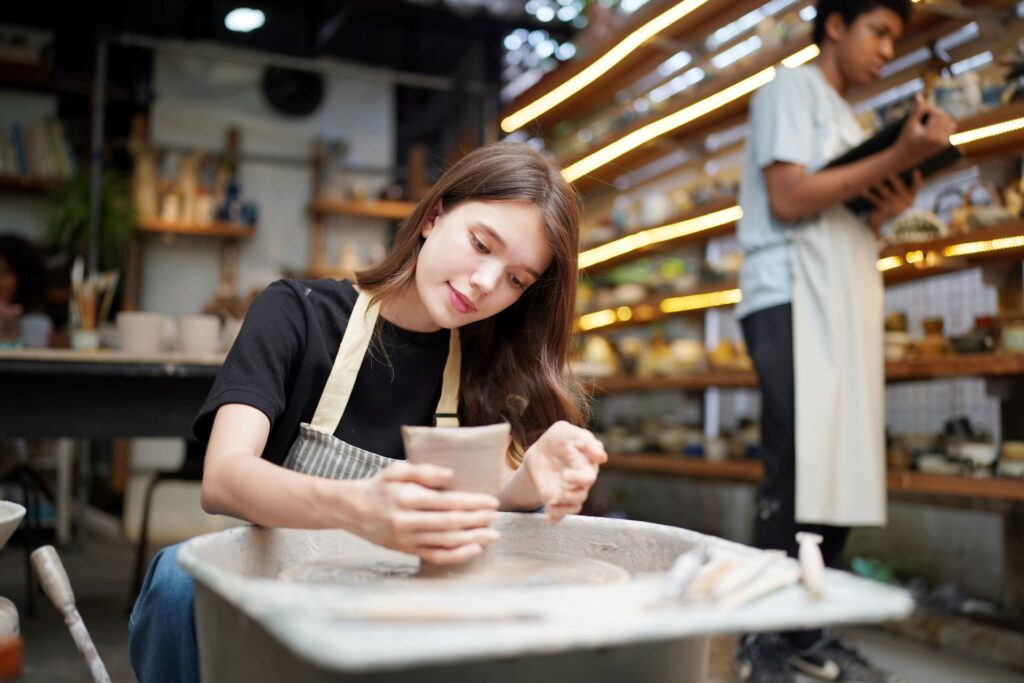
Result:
x=352 y=350
x=447 y=414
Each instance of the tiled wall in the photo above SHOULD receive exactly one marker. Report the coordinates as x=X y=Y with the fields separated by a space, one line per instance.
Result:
x=923 y=407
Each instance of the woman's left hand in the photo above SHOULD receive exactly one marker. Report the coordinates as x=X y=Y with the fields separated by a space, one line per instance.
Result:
x=563 y=465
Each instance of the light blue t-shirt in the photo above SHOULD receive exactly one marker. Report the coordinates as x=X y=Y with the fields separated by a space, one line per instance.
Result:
x=792 y=120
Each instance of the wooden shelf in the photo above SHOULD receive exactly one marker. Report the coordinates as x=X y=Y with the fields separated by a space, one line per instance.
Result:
x=27 y=76
x=956 y=365
x=649 y=311
x=394 y=210
x=638 y=63
x=326 y=272
x=998 y=145
x=908 y=271
x=952 y=365
x=751 y=471
x=21 y=183
x=649 y=151
x=668 y=245
x=737 y=109
x=746 y=471
x=925 y=28
x=215 y=229
x=911 y=271
x=697 y=381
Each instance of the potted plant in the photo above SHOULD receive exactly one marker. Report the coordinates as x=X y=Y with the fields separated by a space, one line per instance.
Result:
x=67 y=218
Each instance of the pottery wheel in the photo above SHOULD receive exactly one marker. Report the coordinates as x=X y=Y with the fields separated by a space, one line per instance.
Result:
x=506 y=569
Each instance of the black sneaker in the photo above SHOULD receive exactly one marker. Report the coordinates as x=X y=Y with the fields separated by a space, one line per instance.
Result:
x=762 y=659
x=832 y=659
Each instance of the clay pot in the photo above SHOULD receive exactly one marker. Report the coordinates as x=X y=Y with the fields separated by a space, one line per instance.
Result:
x=476 y=454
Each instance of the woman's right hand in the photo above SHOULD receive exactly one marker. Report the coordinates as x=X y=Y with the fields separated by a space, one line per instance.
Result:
x=404 y=508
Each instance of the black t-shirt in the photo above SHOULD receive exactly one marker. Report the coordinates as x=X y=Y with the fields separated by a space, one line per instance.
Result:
x=284 y=353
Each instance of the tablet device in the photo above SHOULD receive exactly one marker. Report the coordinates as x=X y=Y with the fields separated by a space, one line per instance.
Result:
x=881 y=140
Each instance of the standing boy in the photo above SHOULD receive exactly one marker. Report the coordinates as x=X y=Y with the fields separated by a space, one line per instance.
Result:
x=812 y=308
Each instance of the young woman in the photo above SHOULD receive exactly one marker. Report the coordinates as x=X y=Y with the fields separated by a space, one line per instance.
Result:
x=467 y=321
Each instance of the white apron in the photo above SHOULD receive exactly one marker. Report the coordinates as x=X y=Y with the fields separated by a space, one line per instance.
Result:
x=839 y=364
x=317 y=451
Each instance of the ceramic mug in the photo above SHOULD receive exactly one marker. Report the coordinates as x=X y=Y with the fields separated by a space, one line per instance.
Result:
x=141 y=332
x=35 y=330
x=199 y=335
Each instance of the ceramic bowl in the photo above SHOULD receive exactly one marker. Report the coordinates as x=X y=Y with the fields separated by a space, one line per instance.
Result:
x=978 y=453
x=10 y=518
x=1012 y=468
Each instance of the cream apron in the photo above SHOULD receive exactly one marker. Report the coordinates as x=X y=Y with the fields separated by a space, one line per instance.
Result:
x=317 y=451
x=839 y=365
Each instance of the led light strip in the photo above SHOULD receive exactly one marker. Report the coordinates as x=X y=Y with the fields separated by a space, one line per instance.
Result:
x=953 y=250
x=968 y=248
x=658 y=128
x=630 y=243
x=693 y=302
x=802 y=57
x=601 y=66
x=646 y=238
x=889 y=263
x=995 y=129
x=676 y=304
x=718 y=100
x=592 y=321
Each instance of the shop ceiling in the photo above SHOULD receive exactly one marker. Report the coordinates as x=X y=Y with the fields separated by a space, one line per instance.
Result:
x=431 y=37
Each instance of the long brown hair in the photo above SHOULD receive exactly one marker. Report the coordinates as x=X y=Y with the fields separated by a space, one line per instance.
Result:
x=513 y=363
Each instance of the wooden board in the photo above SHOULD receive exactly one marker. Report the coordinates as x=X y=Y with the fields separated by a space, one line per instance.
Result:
x=109 y=356
x=751 y=471
x=950 y=365
x=215 y=229
x=366 y=209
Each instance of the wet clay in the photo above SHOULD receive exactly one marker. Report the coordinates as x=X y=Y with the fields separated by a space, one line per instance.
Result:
x=474 y=454
x=506 y=569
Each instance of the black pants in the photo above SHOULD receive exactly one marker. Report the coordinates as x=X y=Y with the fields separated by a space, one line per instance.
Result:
x=769 y=337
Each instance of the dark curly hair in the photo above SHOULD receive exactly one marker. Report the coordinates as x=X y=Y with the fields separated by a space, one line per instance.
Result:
x=849 y=10
x=26 y=261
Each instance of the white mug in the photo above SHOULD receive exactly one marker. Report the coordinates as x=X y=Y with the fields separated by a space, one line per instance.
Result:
x=199 y=335
x=141 y=332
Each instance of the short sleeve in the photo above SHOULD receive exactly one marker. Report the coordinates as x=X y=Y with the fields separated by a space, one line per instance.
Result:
x=782 y=120
x=259 y=367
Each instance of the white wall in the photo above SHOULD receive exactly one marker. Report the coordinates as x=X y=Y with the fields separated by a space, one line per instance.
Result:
x=197 y=100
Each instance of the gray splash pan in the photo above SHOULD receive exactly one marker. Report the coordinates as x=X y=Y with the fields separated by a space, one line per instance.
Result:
x=254 y=627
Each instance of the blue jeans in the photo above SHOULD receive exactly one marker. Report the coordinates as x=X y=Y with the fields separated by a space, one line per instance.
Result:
x=162 y=627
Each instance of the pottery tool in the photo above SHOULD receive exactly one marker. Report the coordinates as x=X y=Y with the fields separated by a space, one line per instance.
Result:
x=108 y=285
x=812 y=564
x=778 y=574
x=741 y=575
x=54 y=580
x=684 y=570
